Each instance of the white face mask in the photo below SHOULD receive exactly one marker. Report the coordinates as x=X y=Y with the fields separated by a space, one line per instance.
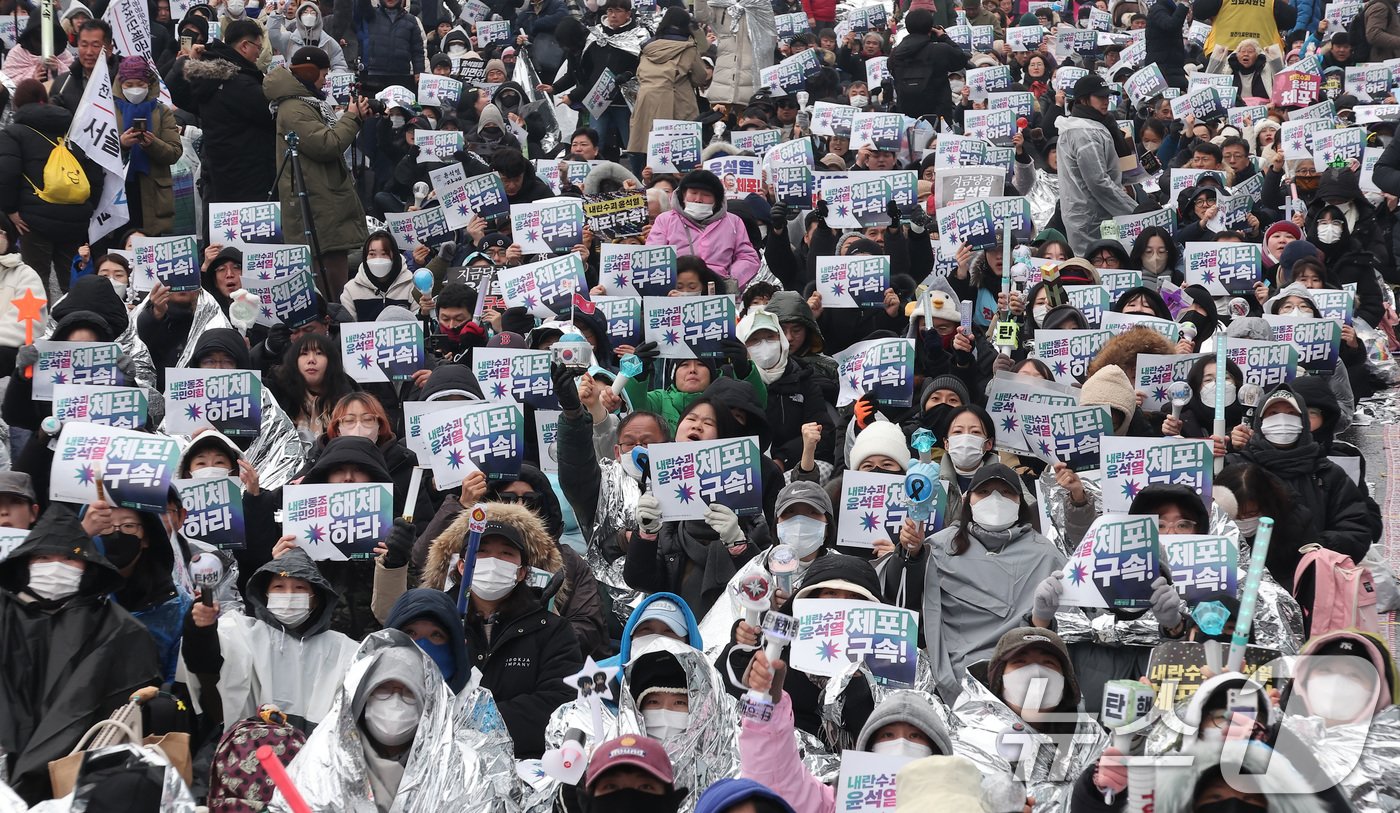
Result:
x=995 y=512
x=359 y=431
x=1329 y=233
x=766 y=353
x=457 y=51
x=966 y=451
x=1248 y=526
x=956 y=86
x=432 y=122
x=54 y=581
x=643 y=644
x=699 y=211
x=392 y=721
x=235 y=8
x=1282 y=429
x=663 y=724
x=1208 y=393
x=379 y=266
x=309 y=20
x=208 y=472
x=493 y=579
x=804 y=534
x=901 y=748
x=1039 y=312
x=860 y=101
x=119 y=287
x=289 y=608
x=1339 y=698
x=134 y=95
x=1018 y=685
x=397 y=122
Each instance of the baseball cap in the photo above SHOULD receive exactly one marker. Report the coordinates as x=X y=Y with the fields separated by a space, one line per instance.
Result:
x=669 y=613
x=507 y=339
x=1091 y=85
x=510 y=534
x=311 y=55
x=494 y=239
x=17 y=484
x=996 y=471
x=805 y=493
x=633 y=750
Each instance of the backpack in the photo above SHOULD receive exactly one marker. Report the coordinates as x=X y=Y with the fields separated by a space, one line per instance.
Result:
x=1334 y=593
x=237 y=781
x=1356 y=31
x=65 y=182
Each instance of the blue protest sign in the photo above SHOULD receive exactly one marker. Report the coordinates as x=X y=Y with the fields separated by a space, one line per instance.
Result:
x=793 y=186
x=375 y=352
x=128 y=469
x=1070 y=436
x=547 y=226
x=1128 y=465
x=853 y=281
x=294 y=299
x=1090 y=300
x=1317 y=341
x=834 y=633
x=122 y=407
x=245 y=222
x=515 y=375
x=489 y=438
x=486 y=195
x=874 y=506
x=275 y=262
x=1202 y=566
x=637 y=270
x=689 y=476
x=213 y=512
x=1115 y=565
x=174 y=261
x=83 y=363
x=624 y=315
x=227 y=400
x=1267 y=364
x=690 y=326
x=884 y=368
x=545 y=288
x=1069 y=352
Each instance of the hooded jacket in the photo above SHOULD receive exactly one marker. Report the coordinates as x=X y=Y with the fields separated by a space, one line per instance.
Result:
x=68 y=664
x=25 y=146
x=289 y=36
x=149 y=593
x=624 y=653
x=1179 y=786
x=1091 y=184
x=1166 y=22
x=225 y=91
x=721 y=240
x=395 y=288
x=791 y=307
x=437 y=607
x=391 y=41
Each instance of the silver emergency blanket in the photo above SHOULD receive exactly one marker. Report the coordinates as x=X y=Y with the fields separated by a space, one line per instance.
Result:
x=1379 y=359
x=133 y=347
x=1044 y=197
x=445 y=771
x=542 y=790
x=756 y=16
x=716 y=625
x=833 y=699
x=1278 y=621
x=523 y=74
x=175 y=795
x=616 y=512
x=1365 y=759
x=990 y=734
x=10 y=802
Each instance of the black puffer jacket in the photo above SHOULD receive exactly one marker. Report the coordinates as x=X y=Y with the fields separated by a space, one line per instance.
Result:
x=1166 y=20
x=793 y=400
x=25 y=146
x=225 y=91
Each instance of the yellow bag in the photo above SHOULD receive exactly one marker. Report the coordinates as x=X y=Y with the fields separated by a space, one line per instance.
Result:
x=64 y=179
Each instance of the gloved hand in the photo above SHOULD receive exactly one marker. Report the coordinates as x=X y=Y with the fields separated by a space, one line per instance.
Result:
x=823 y=210
x=648 y=515
x=1166 y=603
x=725 y=522
x=648 y=352
x=864 y=411
x=779 y=216
x=1111 y=772
x=126 y=365
x=1047 y=597
x=27 y=356
x=566 y=386
x=279 y=338
x=400 y=544
x=737 y=354
x=919 y=221
x=893 y=211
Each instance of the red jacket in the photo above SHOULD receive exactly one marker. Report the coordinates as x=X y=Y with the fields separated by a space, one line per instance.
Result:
x=820 y=9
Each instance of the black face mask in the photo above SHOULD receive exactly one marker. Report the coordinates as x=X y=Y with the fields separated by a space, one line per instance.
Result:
x=122 y=549
x=631 y=800
x=1231 y=805
x=1204 y=326
x=936 y=418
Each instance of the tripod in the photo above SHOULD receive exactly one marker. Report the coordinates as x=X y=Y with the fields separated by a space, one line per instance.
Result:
x=308 y=228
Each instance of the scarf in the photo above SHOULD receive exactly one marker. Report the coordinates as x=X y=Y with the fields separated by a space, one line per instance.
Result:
x=1121 y=146
x=708 y=567
x=139 y=161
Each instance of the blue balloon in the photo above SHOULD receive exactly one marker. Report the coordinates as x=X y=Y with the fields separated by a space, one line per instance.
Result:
x=423 y=280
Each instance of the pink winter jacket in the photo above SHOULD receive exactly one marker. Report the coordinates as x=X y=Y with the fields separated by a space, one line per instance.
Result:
x=768 y=755
x=723 y=245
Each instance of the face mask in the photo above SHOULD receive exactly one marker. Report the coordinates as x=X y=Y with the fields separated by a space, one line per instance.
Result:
x=493 y=579
x=134 y=95
x=358 y=431
x=121 y=549
x=766 y=353
x=1335 y=697
x=956 y=86
x=432 y=122
x=208 y=472
x=1248 y=526
x=441 y=655
x=119 y=287
x=289 y=608
x=1016 y=686
x=1039 y=312
x=1208 y=393
x=663 y=724
x=1282 y=430
x=643 y=644
x=1155 y=264
x=995 y=512
x=966 y=451
x=235 y=8
x=309 y=20
x=1329 y=233
x=379 y=266
x=936 y=418
x=901 y=748
x=457 y=51
x=396 y=122
x=54 y=581
x=699 y=211
x=392 y=721
x=860 y=101
x=630 y=800
x=804 y=534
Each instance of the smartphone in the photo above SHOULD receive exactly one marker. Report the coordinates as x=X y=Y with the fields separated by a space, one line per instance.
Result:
x=139 y=125
x=187 y=42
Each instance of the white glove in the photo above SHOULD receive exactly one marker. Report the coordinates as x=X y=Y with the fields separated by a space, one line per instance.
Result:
x=1166 y=603
x=648 y=515
x=1047 y=597
x=725 y=522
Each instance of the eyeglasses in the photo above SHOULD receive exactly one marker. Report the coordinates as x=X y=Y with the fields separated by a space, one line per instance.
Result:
x=133 y=528
x=387 y=692
x=529 y=498
x=1181 y=526
x=350 y=421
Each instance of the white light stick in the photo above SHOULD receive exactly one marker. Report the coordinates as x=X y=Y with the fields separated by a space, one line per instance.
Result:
x=1245 y=621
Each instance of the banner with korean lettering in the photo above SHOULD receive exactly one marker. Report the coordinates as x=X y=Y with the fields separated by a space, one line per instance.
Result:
x=854 y=204
x=611 y=215
x=1007 y=393
x=1119 y=322
x=438 y=91
x=873 y=507
x=834 y=633
x=867 y=781
x=790 y=25
x=1115 y=564
x=740 y=175
x=1202 y=566
x=1130 y=226
x=486 y=195
x=515 y=375
x=126 y=468
x=832 y=119
x=1339 y=304
x=865 y=18
x=213 y=511
x=624 y=317
x=967 y=223
x=122 y=407
x=1129 y=465
x=673 y=152
x=1318 y=341
x=790 y=75
x=959 y=184
x=174 y=261
x=1118 y=281
x=86 y=363
x=1068 y=352
x=545 y=288
x=883 y=368
x=879 y=131
x=430 y=226
x=377 y=352
x=1334 y=148
x=757 y=142
x=450 y=184
x=1267 y=364
x=996 y=126
x=227 y=400
x=1225 y=269
x=793 y=186
x=275 y=262
x=688 y=477
x=547 y=226
x=294 y=299
x=637 y=270
x=489 y=438
x=1155 y=374
x=338 y=522
x=1070 y=436
x=131 y=27
x=853 y=281
x=413 y=414
x=234 y=223
x=94 y=127
x=1090 y=300
x=687 y=327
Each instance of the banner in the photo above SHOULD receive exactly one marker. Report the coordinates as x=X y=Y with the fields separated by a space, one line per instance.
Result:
x=853 y=281
x=1155 y=374
x=688 y=477
x=636 y=270
x=790 y=75
x=959 y=184
x=338 y=522
x=122 y=407
x=1115 y=565
x=1069 y=436
x=1318 y=341
x=833 y=633
x=1007 y=393
x=489 y=438
x=613 y=215
x=996 y=126
x=878 y=131
x=1267 y=364
x=1225 y=269
x=438 y=91
x=275 y=262
x=227 y=400
x=213 y=511
x=548 y=226
x=873 y=506
x=854 y=204
x=439 y=145
x=740 y=175
x=1202 y=566
x=832 y=119
x=1131 y=464
x=294 y=299
x=1130 y=226
x=1119 y=322
x=1069 y=352
x=1337 y=147
x=174 y=261
x=83 y=363
x=128 y=469
x=376 y=352
x=884 y=368
x=515 y=375
x=867 y=781
x=235 y=223
x=673 y=152
x=688 y=327
x=486 y=195
x=545 y=288
x=624 y=317
x=969 y=223
x=492 y=31
x=94 y=128
x=790 y=154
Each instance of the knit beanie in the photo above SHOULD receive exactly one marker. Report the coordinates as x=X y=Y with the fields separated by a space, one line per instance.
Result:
x=884 y=438
x=1110 y=387
x=134 y=67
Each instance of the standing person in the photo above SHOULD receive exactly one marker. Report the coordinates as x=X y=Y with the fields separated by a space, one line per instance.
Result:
x=50 y=227
x=1166 y=21
x=700 y=225
x=743 y=47
x=94 y=43
x=306 y=28
x=615 y=45
x=919 y=67
x=1091 y=184
x=338 y=222
x=391 y=44
x=150 y=137
x=1236 y=20
x=670 y=72
x=1382 y=29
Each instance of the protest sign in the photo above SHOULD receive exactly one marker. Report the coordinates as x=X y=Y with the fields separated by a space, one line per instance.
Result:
x=637 y=270
x=1007 y=393
x=1155 y=374
x=507 y=374
x=1225 y=269
x=1130 y=226
x=430 y=226
x=1318 y=342
x=450 y=184
x=1115 y=564
x=996 y=126
x=1337 y=304
x=612 y=215
x=792 y=186
x=128 y=469
x=227 y=400
x=82 y=363
x=1066 y=435
x=673 y=152
x=689 y=476
x=832 y=119
x=233 y=223
x=624 y=317
x=1118 y=322
x=440 y=145
x=545 y=288
x=689 y=327
x=413 y=412
x=547 y=226
x=1090 y=300
x=740 y=175
x=381 y=351
x=833 y=633
x=1267 y=364
x=294 y=299
x=486 y=195
x=438 y=91
x=1335 y=148
x=488 y=438
x=853 y=281
x=757 y=142
x=867 y=781
x=1203 y=567
x=967 y=223
x=882 y=368
x=338 y=522
x=874 y=506
x=1129 y=465
x=122 y=407
x=213 y=511
x=173 y=261
x=1118 y=281
x=1178 y=668
x=1069 y=352
x=878 y=131
x=275 y=262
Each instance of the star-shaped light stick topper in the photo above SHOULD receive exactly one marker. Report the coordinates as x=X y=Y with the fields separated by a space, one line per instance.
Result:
x=593 y=680
x=30 y=309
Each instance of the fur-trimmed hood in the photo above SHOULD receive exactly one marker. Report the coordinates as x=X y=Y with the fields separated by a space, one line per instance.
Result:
x=607 y=172
x=543 y=551
x=214 y=70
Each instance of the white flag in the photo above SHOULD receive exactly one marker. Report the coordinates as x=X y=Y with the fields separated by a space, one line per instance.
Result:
x=94 y=128
x=131 y=27
x=111 y=212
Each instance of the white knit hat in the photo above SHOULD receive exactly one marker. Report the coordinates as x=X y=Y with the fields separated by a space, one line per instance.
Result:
x=881 y=437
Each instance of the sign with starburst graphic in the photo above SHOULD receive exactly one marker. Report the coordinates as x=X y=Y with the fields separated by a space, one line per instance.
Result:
x=1202 y=566
x=687 y=327
x=637 y=270
x=252 y=222
x=853 y=281
x=969 y=222
x=1068 y=352
x=671 y=151
x=1119 y=322
x=275 y=262
x=545 y=288
x=486 y=195
x=133 y=468
x=1070 y=436
x=547 y=226
x=688 y=476
x=1128 y=465
x=174 y=261
x=873 y=507
x=507 y=374
x=83 y=363
x=884 y=368
x=213 y=511
x=1225 y=269
x=123 y=407
x=489 y=438
x=792 y=185
x=855 y=204
x=1155 y=374
x=1008 y=392
x=376 y=352
x=1114 y=565
x=262 y=289
x=227 y=400
x=1316 y=341
x=833 y=633
x=413 y=412
x=450 y=185
x=338 y=522
x=624 y=317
